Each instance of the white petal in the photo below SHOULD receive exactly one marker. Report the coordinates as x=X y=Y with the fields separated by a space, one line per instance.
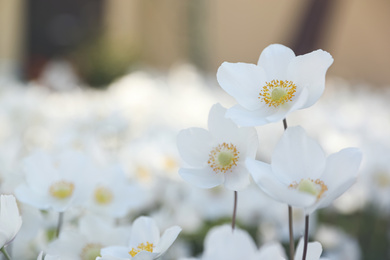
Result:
x=115 y=251
x=264 y=177
x=314 y=250
x=244 y=117
x=194 y=146
x=248 y=142
x=203 y=178
x=297 y=156
x=222 y=129
x=167 y=239
x=271 y=251
x=342 y=166
x=309 y=71
x=243 y=82
x=238 y=179
x=144 y=230
x=275 y=60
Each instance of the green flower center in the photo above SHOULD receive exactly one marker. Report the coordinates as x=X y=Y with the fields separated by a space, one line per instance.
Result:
x=313 y=187
x=277 y=92
x=103 y=195
x=223 y=157
x=61 y=189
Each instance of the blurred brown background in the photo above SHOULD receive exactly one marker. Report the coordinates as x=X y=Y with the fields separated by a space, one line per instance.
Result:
x=103 y=39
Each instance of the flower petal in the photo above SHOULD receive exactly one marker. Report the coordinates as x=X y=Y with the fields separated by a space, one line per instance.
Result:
x=244 y=117
x=309 y=71
x=242 y=81
x=115 y=251
x=314 y=250
x=167 y=239
x=194 y=145
x=144 y=230
x=238 y=179
x=275 y=60
x=264 y=177
x=203 y=178
x=297 y=157
x=222 y=129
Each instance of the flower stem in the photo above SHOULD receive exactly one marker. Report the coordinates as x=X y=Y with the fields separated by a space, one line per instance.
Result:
x=234 y=211
x=290 y=217
x=6 y=255
x=306 y=237
x=59 y=224
x=291 y=233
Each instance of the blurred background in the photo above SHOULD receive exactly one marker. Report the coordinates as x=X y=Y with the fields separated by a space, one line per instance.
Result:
x=102 y=39
x=118 y=79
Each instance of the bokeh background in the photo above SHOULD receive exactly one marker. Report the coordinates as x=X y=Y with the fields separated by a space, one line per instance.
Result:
x=118 y=80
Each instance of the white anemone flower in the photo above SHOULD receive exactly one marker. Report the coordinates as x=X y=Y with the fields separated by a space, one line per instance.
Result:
x=221 y=243
x=217 y=156
x=145 y=242
x=279 y=84
x=300 y=174
x=10 y=220
x=54 y=182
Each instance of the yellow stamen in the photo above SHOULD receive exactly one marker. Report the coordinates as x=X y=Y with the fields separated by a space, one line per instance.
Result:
x=223 y=157
x=277 y=92
x=103 y=195
x=316 y=188
x=61 y=189
x=141 y=247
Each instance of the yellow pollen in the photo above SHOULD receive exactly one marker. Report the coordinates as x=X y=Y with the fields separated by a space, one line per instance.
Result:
x=223 y=157
x=316 y=188
x=141 y=247
x=103 y=195
x=277 y=92
x=90 y=251
x=61 y=189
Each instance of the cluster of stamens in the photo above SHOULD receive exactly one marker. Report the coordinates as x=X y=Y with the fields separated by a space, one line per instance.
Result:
x=277 y=92
x=141 y=247
x=90 y=251
x=103 y=195
x=223 y=157
x=61 y=189
x=314 y=187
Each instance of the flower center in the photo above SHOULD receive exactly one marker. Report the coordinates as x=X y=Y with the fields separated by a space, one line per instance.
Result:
x=316 y=188
x=277 y=92
x=141 y=247
x=61 y=189
x=90 y=251
x=223 y=157
x=103 y=195
x=382 y=179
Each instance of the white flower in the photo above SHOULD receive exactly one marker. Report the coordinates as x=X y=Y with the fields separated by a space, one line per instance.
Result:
x=10 y=220
x=300 y=174
x=223 y=243
x=92 y=235
x=279 y=84
x=111 y=193
x=145 y=241
x=217 y=156
x=54 y=182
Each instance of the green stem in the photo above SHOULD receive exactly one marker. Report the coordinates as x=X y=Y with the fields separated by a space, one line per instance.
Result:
x=234 y=211
x=59 y=225
x=306 y=239
x=6 y=255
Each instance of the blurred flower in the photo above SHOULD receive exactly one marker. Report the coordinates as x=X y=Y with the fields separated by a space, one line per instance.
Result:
x=145 y=241
x=10 y=220
x=54 y=182
x=279 y=84
x=93 y=234
x=223 y=243
x=217 y=156
x=301 y=176
x=48 y=257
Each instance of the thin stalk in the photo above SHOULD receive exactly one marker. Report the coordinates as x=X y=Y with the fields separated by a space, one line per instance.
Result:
x=234 y=211
x=59 y=224
x=6 y=255
x=290 y=217
x=291 y=233
x=306 y=239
